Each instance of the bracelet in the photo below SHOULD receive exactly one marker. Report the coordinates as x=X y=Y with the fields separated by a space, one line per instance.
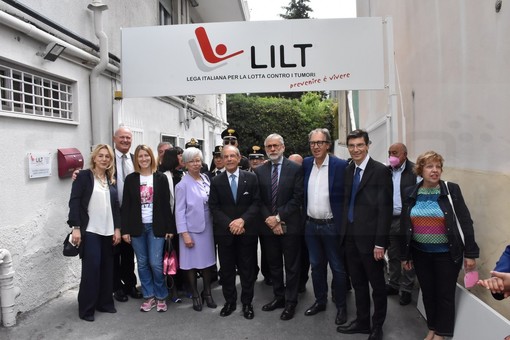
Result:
x=76 y=227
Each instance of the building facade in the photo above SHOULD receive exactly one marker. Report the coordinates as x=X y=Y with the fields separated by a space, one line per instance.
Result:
x=452 y=85
x=74 y=100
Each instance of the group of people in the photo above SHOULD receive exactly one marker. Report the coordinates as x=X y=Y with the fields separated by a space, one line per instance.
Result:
x=343 y=213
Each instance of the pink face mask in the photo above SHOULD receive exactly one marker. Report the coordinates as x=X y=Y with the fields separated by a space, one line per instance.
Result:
x=394 y=161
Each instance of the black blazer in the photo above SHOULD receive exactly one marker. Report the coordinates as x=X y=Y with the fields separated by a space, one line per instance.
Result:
x=224 y=209
x=373 y=208
x=163 y=221
x=290 y=195
x=79 y=202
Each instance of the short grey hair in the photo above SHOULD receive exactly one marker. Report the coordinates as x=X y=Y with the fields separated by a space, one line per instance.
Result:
x=165 y=143
x=324 y=131
x=226 y=147
x=274 y=135
x=191 y=153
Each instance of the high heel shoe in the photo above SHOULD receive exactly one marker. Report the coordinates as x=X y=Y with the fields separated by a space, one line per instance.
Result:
x=197 y=304
x=208 y=300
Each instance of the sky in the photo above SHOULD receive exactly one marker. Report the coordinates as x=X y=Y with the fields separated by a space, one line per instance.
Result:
x=322 y=9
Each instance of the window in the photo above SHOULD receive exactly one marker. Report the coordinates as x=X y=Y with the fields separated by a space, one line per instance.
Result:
x=166 y=138
x=23 y=92
x=166 y=13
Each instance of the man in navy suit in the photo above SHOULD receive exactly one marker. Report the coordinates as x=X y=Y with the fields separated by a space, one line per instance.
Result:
x=324 y=196
x=281 y=193
x=368 y=210
x=234 y=203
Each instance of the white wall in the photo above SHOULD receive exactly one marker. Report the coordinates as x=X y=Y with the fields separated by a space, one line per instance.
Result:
x=452 y=60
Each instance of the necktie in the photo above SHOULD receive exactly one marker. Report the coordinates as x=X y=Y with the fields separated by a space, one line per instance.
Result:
x=124 y=166
x=233 y=186
x=355 y=185
x=274 y=188
x=218 y=172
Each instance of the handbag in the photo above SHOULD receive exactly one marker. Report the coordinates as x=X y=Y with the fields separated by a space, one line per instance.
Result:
x=70 y=249
x=170 y=263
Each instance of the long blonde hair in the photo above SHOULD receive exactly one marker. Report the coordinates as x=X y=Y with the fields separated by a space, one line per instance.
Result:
x=154 y=164
x=110 y=170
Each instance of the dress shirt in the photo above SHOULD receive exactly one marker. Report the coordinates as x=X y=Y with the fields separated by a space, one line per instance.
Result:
x=318 y=205
x=397 y=200
x=120 y=174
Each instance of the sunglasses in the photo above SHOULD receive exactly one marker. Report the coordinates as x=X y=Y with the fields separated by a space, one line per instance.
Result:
x=229 y=141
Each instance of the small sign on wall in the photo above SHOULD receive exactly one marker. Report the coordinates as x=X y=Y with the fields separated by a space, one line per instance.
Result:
x=39 y=164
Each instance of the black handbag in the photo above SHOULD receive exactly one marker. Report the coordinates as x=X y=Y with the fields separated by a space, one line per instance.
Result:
x=69 y=249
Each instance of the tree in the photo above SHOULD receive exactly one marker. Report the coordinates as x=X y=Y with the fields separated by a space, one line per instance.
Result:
x=255 y=118
x=297 y=9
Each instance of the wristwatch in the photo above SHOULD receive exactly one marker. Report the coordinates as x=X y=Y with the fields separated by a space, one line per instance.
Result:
x=76 y=227
x=278 y=218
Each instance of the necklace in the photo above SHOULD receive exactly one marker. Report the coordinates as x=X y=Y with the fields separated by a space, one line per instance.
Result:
x=101 y=180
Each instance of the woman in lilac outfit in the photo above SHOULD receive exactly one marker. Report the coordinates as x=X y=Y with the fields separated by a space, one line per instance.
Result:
x=194 y=225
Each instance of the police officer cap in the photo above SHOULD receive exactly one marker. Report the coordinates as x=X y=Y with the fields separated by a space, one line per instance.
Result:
x=229 y=133
x=217 y=150
x=255 y=152
x=193 y=143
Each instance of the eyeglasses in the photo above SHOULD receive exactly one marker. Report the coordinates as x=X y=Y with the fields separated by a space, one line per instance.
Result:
x=195 y=161
x=356 y=146
x=318 y=143
x=229 y=141
x=270 y=146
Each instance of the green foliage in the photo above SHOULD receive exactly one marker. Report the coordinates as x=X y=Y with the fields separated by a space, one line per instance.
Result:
x=256 y=117
x=297 y=9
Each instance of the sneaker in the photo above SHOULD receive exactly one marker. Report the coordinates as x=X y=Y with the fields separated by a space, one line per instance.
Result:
x=161 y=306
x=176 y=299
x=148 y=305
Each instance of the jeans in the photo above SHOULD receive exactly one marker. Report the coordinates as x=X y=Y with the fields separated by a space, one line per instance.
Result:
x=149 y=254
x=323 y=242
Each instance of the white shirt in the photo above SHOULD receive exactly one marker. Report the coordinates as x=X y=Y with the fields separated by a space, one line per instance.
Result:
x=120 y=173
x=100 y=211
x=318 y=205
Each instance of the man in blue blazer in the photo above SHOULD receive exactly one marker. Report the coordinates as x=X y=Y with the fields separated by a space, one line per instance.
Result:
x=324 y=196
x=234 y=203
x=368 y=210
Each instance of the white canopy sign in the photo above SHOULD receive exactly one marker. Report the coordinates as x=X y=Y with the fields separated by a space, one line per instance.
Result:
x=259 y=56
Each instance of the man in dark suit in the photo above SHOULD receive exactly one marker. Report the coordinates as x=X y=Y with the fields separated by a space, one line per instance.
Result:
x=124 y=278
x=324 y=196
x=403 y=177
x=281 y=193
x=367 y=217
x=234 y=203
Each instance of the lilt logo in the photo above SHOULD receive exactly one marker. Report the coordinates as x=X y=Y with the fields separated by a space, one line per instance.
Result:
x=212 y=56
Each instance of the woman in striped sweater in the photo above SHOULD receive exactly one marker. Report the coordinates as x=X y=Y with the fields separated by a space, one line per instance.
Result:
x=433 y=244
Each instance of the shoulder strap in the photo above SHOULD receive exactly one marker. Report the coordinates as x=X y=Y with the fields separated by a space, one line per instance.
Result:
x=454 y=214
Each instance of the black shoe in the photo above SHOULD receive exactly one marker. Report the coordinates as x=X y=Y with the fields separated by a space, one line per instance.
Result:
x=197 y=304
x=353 y=328
x=276 y=303
x=227 y=309
x=391 y=291
x=120 y=296
x=316 y=308
x=106 y=310
x=405 y=298
x=268 y=281
x=288 y=312
x=208 y=300
x=341 y=316
x=89 y=318
x=134 y=293
x=248 y=311
x=376 y=334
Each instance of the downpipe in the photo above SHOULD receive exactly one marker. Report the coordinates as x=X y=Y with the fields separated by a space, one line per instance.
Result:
x=8 y=293
x=95 y=92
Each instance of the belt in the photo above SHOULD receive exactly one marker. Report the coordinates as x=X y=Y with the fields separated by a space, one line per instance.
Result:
x=320 y=221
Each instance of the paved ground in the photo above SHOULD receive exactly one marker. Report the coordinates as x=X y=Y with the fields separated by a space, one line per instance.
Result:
x=58 y=319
